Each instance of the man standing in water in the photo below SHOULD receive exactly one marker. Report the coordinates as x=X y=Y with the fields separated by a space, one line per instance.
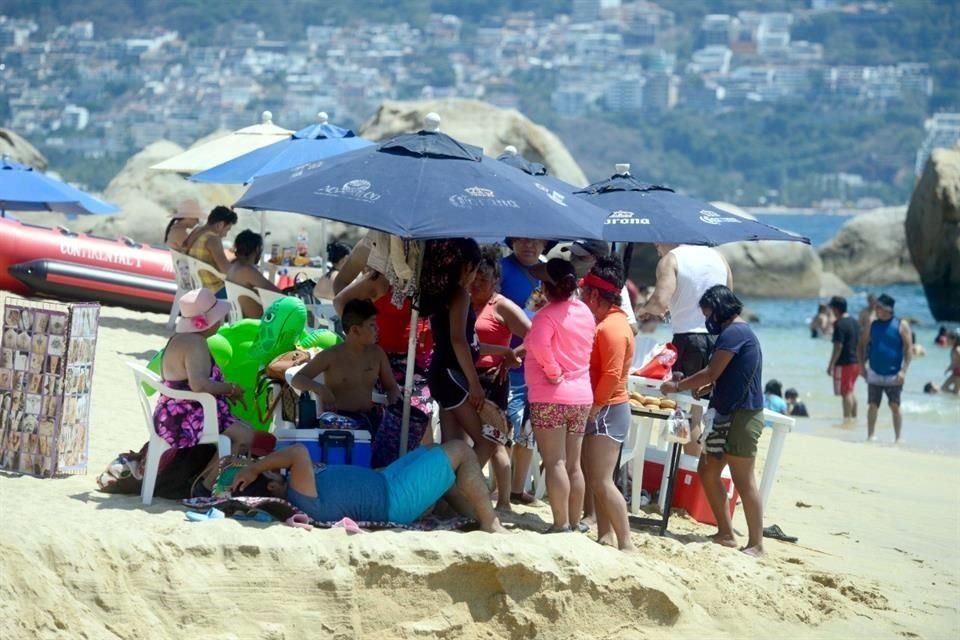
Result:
x=684 y=273
x=844 y=367
x=868 y=314
x=884 y=353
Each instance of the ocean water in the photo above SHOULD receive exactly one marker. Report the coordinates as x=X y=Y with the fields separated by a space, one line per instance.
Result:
x=930 y=423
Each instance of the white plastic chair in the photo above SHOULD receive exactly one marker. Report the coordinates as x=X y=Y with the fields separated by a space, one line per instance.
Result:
x=185 y=282
x=157 y=445
x=268 y=297
x=198 y=267
x=631 y=456
x=234 y=293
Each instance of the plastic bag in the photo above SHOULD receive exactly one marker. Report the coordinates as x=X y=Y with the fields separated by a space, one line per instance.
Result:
x=660 y=366
x=676 y=428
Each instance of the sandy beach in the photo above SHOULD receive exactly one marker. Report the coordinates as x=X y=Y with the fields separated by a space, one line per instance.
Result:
x=877 y=557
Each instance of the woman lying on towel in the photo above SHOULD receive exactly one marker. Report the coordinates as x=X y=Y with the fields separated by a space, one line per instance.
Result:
x=400 y=493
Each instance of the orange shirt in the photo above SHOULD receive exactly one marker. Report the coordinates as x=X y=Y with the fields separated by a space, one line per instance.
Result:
x=611 y=358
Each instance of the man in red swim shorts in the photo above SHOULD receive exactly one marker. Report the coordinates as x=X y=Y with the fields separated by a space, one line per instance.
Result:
x=844 y=366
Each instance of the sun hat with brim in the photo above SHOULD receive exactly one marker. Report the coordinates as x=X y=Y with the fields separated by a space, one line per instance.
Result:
x=188 y=208
x=200 y=310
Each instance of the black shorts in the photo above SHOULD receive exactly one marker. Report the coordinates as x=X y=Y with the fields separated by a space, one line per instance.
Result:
x=693 y=351
x=496 y=385
x=875 y=393
x=448 y=386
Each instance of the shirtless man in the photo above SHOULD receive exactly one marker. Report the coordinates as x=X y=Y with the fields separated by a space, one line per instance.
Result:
x=352 y=369
x=245 y=271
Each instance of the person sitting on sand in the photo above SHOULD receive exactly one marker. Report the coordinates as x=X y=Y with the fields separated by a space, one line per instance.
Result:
x=187 y=364
x=245 y=271
x=399 y=493
x=795 y=406
x=735 y=370
x=952 y=383
x=351 y=369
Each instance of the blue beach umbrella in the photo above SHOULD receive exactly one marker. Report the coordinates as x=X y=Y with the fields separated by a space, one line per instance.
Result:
x=312 y=143
x=23 y=188
x=640 y=212
x=428 y=185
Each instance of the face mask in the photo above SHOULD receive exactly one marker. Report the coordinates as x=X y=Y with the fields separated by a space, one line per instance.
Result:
x=713 y=327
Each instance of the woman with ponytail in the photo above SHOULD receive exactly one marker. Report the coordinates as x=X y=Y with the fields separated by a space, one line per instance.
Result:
x=557 y=373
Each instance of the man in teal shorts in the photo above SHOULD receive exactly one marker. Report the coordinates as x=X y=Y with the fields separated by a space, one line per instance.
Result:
x=399 y=493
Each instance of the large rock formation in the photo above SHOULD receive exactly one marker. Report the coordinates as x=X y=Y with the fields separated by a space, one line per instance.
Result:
x=871 y=248
x=774 y=269
x=482 y=124
x=18 y=149
x=933 y=233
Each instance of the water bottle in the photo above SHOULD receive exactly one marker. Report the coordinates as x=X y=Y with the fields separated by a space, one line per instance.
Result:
x=306 y=412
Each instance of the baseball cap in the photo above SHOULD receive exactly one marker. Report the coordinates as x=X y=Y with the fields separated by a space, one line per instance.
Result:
x=586 y=248
x=885 y=301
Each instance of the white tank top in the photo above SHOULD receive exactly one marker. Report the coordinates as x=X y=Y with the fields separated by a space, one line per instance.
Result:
x=698 y=269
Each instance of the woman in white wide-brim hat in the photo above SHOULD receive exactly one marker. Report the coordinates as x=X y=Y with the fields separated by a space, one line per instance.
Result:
x=188 y=365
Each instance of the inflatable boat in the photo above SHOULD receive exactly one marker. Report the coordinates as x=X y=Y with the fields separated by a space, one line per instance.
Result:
x=60 y=263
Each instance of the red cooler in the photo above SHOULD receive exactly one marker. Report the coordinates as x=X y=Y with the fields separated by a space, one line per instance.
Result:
x=687 y=493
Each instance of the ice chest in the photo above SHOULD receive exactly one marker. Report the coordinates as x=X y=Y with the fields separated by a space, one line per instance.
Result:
x=688 y=492
x=330 y=446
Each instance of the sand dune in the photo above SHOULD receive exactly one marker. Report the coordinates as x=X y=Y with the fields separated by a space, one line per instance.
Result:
x=878 y=529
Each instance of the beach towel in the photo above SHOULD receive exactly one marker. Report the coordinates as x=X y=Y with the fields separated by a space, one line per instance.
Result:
x=282 y=510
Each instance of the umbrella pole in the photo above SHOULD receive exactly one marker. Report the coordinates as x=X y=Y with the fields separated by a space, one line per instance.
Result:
x=411 y=363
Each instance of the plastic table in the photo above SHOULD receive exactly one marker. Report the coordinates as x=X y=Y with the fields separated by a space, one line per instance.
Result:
x=642 y=427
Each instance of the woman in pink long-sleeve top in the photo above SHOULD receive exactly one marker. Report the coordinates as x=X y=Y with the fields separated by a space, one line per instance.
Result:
x=557 y=372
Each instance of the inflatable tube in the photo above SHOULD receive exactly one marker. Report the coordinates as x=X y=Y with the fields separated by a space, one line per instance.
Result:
x=75 y=266
x=242 y=349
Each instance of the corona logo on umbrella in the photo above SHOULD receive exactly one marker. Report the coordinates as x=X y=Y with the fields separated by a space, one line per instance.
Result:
x=352 y=189
x=712 y=217
x=481 y=197
x=625 y=217
x=553 y=194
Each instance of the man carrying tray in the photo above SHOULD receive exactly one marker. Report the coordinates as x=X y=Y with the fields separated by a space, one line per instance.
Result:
x=400 y=493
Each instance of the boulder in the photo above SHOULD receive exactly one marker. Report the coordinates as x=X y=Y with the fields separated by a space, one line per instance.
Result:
x=481 y=124
x=832 y=285
x=146 y=197
x=871 y=248
x=774 y=269
x=19 y=150
x=933 y=233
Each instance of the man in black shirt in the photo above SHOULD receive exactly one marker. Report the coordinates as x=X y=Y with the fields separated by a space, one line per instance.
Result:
x=844 y=367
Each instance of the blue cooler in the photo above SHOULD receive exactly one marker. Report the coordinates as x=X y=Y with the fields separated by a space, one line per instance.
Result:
x=330 y=446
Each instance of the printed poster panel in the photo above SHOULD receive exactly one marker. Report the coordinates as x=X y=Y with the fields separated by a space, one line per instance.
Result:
x=46 y=366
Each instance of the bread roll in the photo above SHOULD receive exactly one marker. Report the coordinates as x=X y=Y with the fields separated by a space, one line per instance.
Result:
x=667 y=403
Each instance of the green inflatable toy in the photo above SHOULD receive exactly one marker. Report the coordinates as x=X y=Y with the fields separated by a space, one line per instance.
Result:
x=243 y=348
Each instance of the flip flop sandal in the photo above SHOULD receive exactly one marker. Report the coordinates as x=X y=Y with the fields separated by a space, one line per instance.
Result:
x=212 y=514
x=583 y=527
x=775 y=532
x=348 y=525
x=555 y=529
x=299 y=521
